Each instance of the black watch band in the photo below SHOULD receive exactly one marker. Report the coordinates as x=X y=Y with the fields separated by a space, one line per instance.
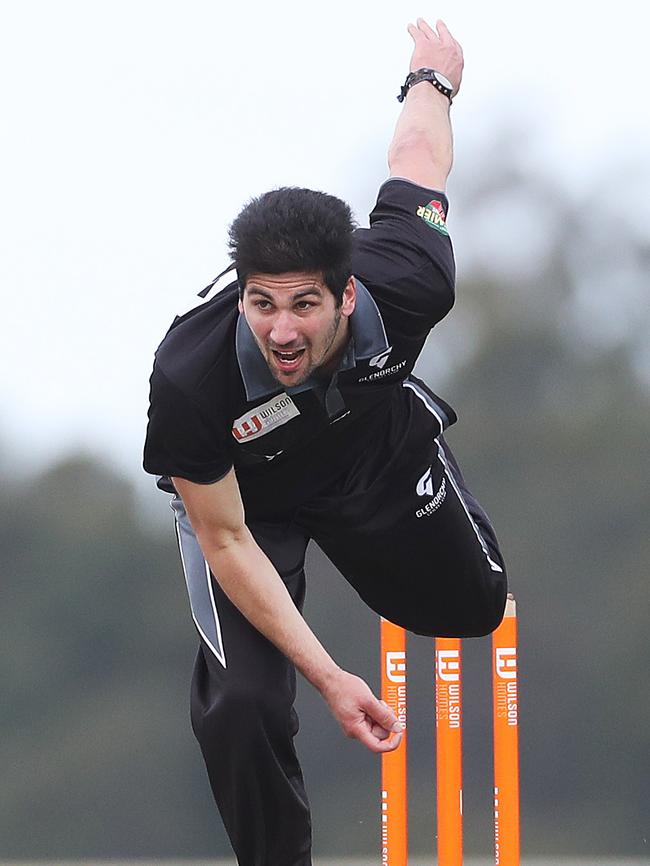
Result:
x=439 y=81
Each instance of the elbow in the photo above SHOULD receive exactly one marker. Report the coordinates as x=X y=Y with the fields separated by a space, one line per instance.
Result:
x=417 y=141
x=220 y=541
x=218 y=536
x=443 y=292
x=447 y=299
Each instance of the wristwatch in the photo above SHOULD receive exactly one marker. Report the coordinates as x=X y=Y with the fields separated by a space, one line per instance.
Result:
x=439 y=81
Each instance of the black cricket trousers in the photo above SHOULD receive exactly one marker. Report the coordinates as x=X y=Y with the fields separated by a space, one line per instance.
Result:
x=419 y=550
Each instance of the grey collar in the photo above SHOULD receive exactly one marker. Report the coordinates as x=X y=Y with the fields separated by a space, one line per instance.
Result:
x=368 y=338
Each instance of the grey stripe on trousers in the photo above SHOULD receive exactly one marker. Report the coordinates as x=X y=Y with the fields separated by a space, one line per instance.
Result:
x=199 y=582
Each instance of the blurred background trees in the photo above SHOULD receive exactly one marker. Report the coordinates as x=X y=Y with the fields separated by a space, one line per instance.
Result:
x=546 y=360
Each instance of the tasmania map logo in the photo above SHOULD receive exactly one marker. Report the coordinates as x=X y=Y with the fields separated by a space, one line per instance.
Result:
x=433 y=215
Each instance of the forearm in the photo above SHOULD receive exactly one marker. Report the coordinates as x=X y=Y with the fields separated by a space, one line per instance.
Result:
x=422 y=146
x=252 y=583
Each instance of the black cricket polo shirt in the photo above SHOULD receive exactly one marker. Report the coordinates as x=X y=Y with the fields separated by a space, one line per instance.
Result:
x=214 y=403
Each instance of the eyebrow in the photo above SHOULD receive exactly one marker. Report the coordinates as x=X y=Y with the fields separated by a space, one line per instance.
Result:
x=254 y=290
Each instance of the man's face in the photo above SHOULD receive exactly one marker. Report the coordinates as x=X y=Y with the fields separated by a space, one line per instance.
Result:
x=296 y=323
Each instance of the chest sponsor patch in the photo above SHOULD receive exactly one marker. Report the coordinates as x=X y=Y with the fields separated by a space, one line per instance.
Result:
x=262 y=419
x=434 y=216
x=383 y=371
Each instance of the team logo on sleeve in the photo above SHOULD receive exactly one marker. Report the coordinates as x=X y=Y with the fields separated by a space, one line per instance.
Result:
x=433 y=215
x=262 y=419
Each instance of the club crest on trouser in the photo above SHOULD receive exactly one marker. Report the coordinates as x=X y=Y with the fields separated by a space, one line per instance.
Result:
x=433 y=215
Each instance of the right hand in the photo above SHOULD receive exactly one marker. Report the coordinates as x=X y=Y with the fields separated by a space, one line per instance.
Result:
x=361 y=715
x=438 y=51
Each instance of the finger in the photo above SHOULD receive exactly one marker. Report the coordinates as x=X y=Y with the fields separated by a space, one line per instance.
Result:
x=364 y=734
x=414 y=32
x=426 y=29
x=380 y=713
x=378 y=730
x=389 y=728
x=388 y=745
x=392 y=742
x=443 y=30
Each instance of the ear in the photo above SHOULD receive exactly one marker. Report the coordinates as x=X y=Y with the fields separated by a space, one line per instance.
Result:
x=349 y=297
x=240 y=307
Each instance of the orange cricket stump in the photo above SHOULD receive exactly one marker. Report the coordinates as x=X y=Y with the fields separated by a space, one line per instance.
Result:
x=394 y=802
x=449 y=748
x=506 y=738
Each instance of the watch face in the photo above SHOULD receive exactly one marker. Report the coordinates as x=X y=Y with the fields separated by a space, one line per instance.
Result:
x=441 y=79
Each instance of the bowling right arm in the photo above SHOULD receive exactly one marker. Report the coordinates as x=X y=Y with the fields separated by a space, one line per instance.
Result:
x=422 y=147
x=252 y=583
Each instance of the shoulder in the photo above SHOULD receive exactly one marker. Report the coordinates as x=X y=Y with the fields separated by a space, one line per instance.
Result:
x=199 y=342
x=408 y=231
x=406 y=257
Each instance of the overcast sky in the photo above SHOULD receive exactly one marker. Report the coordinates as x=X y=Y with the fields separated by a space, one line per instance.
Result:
x=134 y=131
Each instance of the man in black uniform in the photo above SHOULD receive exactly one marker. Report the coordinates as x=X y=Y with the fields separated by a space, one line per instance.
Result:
x=285 y=409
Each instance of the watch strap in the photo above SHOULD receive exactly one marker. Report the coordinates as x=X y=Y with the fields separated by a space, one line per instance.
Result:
x=424 y=74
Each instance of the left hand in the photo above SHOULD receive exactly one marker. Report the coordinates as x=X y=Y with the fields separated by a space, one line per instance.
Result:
x=436 y=50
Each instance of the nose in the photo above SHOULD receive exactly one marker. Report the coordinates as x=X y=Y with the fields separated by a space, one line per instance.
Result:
x=283 y=332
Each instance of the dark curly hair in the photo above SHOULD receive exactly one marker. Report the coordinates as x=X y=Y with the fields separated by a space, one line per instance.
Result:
x=293 y=229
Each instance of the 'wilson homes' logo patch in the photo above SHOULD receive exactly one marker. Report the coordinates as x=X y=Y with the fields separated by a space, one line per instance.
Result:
x=433 y=215
x=275 y=412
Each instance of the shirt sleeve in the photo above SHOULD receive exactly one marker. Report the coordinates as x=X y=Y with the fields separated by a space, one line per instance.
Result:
x=406 y=257
x=181 y=440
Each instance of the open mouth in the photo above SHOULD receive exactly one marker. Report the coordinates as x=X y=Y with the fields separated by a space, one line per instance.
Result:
x=288 y=361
